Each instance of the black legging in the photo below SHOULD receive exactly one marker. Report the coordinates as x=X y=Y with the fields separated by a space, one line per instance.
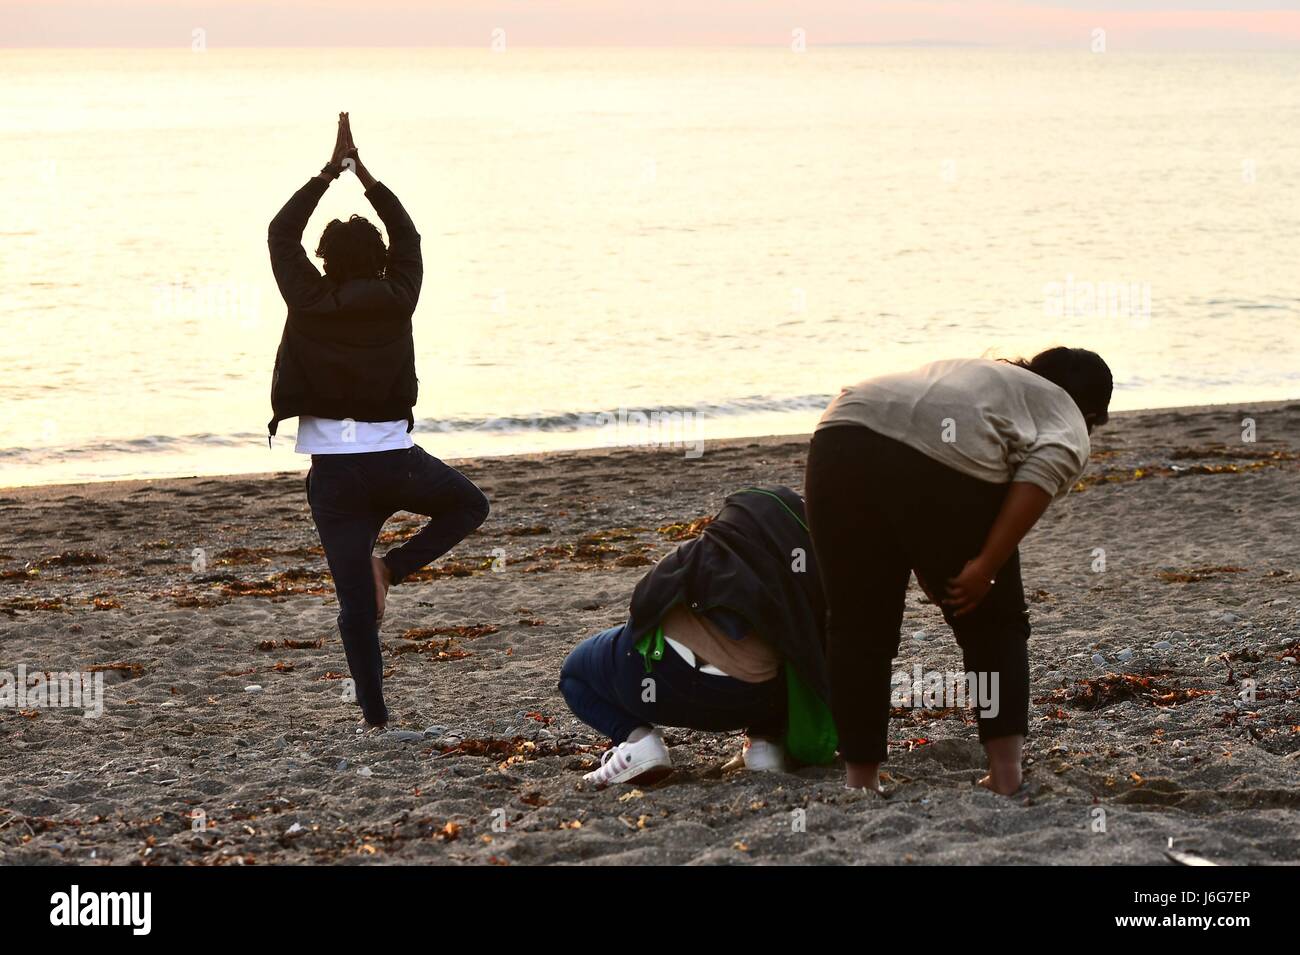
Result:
x=878 y=510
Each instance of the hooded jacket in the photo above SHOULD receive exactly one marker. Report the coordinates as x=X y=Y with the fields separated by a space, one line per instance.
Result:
x=751 y=569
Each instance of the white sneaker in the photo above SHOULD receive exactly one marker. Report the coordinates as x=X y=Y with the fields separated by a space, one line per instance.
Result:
x=629 y=762
x=763 y=755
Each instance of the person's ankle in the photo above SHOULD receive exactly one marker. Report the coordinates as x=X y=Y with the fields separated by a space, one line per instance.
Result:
x=862 y=776
x=1005 y=778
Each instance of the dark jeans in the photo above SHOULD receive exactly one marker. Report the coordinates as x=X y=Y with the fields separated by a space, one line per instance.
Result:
x=603 y=682
x=351 y=495
x=877 y=510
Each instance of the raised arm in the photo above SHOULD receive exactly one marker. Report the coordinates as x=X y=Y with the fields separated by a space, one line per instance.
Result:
x=405 y=265
x=300 y=283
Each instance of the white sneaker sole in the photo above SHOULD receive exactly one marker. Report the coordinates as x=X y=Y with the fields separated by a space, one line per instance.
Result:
x=648 y=772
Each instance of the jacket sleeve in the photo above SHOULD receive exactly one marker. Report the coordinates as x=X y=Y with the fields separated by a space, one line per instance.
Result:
x=405 y=270
x=303 y=287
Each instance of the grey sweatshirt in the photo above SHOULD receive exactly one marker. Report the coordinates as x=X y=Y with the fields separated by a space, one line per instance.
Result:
x=989 y=419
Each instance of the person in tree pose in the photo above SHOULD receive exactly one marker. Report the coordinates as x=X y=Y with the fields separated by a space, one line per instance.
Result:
x=346 y=369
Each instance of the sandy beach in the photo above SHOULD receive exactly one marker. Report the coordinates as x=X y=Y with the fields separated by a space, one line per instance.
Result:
x=206 y=605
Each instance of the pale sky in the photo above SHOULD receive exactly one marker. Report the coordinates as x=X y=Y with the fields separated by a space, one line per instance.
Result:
x=1129 y=24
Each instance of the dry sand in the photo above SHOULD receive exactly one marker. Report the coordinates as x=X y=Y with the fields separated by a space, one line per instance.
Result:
x=1200 y=584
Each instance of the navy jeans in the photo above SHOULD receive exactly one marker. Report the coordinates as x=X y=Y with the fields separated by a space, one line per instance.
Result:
x=351 y=495
x=603 y=681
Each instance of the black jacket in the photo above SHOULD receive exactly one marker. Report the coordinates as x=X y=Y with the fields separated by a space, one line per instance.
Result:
x=347 y=350
x=743 y=566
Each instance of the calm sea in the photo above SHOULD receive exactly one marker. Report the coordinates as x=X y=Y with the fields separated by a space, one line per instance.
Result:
x=731 y=234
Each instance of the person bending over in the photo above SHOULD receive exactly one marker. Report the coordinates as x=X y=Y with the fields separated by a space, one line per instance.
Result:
x=725 y=633
x=942 y=471
x=346 y=369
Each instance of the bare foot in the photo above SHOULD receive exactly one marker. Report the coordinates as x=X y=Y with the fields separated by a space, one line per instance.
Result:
x=383 y=580
x=1005 y=789
x=1004 y=776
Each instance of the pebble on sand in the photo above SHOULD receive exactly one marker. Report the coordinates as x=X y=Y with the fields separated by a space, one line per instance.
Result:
x=1162 y=645
x=1125 y=655
x=1098 y=659
x=919 y=636
x=253 y=688
x=404 y=736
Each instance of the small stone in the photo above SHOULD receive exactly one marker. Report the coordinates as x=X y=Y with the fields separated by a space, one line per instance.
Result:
x=294 y=829
x=365 y=771
x=404 y=736
x=1055 y=676
x=919 y=636
x=343 y=764
x=1162 y=645
x=1177 y=635
x=1098 y=659
x=252 y=688
x=1229 y=617
x=1125 y=655
x=435 y=730
x=1289 y=660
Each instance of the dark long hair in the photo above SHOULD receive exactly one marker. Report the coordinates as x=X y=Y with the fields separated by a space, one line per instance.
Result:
x=1083 y=375
x=352 y=250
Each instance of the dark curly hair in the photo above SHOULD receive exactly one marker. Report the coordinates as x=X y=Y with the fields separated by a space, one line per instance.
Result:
x=1083 y=375
x=352 y=250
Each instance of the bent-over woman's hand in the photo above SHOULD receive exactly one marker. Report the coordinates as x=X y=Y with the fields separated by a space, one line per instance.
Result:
x=968 y=589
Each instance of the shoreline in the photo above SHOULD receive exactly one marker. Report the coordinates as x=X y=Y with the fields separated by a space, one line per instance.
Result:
x=222 y=676
x=1260 y=406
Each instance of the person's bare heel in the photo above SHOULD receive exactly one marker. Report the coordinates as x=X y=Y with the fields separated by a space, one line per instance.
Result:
x=1004 y=777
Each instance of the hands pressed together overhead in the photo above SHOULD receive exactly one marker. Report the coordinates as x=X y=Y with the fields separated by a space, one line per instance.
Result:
x=342 y=142
x=346 y=156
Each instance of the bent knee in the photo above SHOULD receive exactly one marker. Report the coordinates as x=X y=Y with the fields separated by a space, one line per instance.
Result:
x=569 y=688
x=990 y=630
x=481 y=508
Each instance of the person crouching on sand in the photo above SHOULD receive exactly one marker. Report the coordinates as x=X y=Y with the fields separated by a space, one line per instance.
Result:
x=725 y=633
x=346 y=369
x=942 y=471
